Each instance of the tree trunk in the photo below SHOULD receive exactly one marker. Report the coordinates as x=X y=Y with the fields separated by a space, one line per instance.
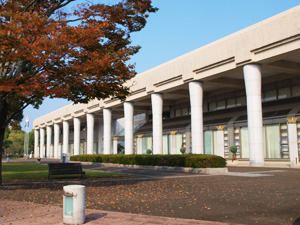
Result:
x=2 y=131
x=3 y=123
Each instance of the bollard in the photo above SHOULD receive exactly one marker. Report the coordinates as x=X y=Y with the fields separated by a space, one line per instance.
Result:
x=74 y=204
x=67 y=157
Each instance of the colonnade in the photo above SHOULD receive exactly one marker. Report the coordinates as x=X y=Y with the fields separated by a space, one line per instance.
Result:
x=252 y=79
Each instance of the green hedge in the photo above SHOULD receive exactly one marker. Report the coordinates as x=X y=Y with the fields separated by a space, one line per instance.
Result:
x=14 y=156
x=188 y=160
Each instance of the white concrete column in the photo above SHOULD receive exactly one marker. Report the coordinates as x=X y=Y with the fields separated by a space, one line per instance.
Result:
x=76 y=122
x=51 y=151
x=157 y=110
x=100 y=138
x=196 y=101
x=56 y=140
x=113 y=132
x=252 y=77
x=220 y=141
x=107 y=117
x=90 y=119
x=128 y=114
x=173 y=142
x=42 y=142
x=115 y=145
x=293 y=141
x=36 y=144
x=49 y=138
x=66 y=131
x=60 y=151
x=139 y=144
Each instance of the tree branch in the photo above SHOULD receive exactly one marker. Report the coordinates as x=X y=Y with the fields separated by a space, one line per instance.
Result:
x=31 y=100
x=29 y=5
x=60 y=5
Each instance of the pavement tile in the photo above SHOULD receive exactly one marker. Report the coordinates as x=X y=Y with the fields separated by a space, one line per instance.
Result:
x=20 y=213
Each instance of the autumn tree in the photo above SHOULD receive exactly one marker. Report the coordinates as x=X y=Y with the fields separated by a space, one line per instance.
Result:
x=60 y=49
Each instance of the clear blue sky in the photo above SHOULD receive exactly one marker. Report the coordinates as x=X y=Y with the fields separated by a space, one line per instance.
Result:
x=182 y=26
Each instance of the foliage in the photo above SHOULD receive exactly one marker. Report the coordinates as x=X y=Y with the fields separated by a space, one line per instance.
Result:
x=182 y=150
x=44 y=54
x=233 y=149
x=149 y=151
x=16 y=138
x=120 y=148
x=11 y=156
x=50 y=49
x=33 y=171
x=6 y=142
x=31 y=142
x=123 y=151
x=188 y=160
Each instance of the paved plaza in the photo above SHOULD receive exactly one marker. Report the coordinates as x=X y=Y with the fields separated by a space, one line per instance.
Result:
x=246 y=195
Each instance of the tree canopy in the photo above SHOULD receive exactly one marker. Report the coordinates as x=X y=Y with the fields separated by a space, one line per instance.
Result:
x=50 y=49
x=44 y=54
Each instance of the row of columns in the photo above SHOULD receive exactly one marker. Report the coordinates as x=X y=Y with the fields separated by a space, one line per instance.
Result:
x=252 y=78
x=54 y=151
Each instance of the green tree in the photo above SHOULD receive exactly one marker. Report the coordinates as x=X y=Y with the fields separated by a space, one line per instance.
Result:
x=31 y=141
x=6 y=142
x=16 y=137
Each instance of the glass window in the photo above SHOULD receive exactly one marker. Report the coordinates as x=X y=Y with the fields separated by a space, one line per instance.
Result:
x=221 y=104
x=212 y=106
x=166 y=115
x=296 y=90
x=270 y=95
x=284 y=93
x=177 y=112
x=185 y=111
x=241 y=101
x=230 y=102
x=284 y=140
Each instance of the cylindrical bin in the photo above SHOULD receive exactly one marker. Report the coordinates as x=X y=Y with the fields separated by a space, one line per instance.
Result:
x=74 y=204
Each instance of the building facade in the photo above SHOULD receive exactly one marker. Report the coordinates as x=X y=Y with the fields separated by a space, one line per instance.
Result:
x=241 y=90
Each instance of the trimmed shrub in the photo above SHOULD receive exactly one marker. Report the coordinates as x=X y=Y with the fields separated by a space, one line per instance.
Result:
x=233 y=150
x=187 y=160
x=182 y=150
x=15 y=156
x=149 y=151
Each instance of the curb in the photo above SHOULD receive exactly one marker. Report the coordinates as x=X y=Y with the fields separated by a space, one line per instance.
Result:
x=211 y=171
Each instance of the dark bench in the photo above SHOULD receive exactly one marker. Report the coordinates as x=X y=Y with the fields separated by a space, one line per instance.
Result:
x=64 y=169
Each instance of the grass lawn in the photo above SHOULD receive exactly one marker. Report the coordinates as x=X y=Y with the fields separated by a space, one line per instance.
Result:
x=31 y=171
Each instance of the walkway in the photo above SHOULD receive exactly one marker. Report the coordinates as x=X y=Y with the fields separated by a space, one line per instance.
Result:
x=21 y=213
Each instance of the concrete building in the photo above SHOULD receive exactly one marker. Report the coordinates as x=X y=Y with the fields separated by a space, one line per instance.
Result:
x=241 y=90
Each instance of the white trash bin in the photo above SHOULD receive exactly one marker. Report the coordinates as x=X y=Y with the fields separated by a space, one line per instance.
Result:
x=74 y=204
